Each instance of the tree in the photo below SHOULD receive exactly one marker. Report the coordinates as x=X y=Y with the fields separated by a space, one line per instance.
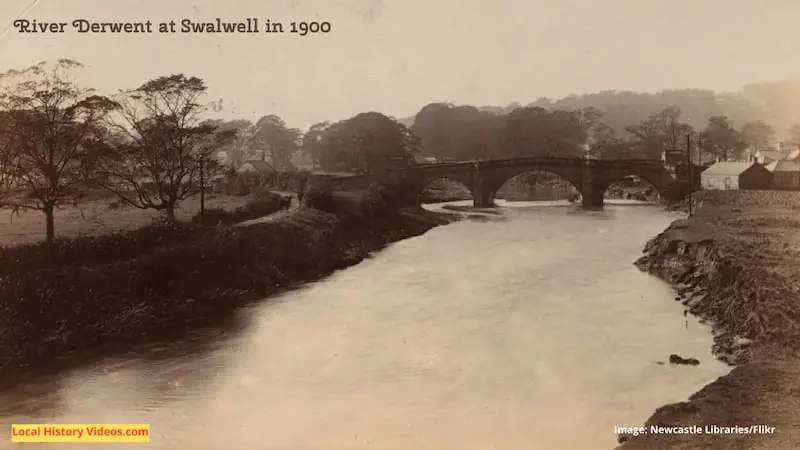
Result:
x=602 y=141
x=533 y=131
x=50 y=130
x=433 y=125
x=794 y=134
x=660 y=132
x=757 y=134
x=7 y=182
x=366 y=142
x=273 y=135
x=236 y=148
x=721 y=139
x=312 y=141
x=159 y=163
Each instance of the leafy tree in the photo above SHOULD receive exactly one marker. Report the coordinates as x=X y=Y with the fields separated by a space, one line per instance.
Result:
x=602 y=141
x=433 y=125
x=537 y=132
x=366 y=142
x=794 y=134
x=236 y=148
x=50 y=130
x=721 y=139
x=271 y=134
x=159 y=163
x=757 y=134
x=312 y=142
x=659 y=132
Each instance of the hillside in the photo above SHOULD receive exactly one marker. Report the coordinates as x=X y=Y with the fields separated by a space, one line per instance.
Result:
x=772 y=102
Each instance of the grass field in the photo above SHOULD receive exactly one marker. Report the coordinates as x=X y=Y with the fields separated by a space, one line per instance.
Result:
x=96 y=217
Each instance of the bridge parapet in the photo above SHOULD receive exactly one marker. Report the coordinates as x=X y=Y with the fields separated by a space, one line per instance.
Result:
x=591 y=177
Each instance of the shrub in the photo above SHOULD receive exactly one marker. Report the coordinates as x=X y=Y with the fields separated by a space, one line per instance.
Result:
x=88 y=249
x=321 y=198
x=264 y=203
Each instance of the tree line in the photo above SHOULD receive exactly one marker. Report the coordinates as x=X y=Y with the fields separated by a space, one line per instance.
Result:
x=150 y=145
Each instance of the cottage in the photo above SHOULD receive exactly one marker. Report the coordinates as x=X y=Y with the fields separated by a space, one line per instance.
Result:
x=736 y=175
x=780 y=153
x=302 y=161
x=768 y=156
x=255 y=166
x=786 y=175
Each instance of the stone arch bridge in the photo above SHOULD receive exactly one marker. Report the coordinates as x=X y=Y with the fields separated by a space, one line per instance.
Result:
x=591 y=177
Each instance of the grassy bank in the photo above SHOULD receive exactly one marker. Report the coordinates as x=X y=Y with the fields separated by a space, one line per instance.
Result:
x=159 y=282
x=104 y=216
x=734 y=264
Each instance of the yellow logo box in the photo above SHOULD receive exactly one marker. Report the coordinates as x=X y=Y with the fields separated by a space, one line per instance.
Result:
x=88 y=433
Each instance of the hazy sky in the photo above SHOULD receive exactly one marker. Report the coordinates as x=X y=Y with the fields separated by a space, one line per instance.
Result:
x=395 y=56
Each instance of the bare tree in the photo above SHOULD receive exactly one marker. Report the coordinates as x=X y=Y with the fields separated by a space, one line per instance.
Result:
x=166 y=146
x=51 y=127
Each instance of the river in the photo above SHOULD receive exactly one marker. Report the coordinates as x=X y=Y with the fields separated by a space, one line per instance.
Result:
x=530 y=330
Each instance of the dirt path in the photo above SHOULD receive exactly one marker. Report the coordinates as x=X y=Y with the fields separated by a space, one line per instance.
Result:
x=293 y=208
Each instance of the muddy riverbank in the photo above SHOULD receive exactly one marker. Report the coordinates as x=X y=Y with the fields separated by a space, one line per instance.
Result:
x=734 y=264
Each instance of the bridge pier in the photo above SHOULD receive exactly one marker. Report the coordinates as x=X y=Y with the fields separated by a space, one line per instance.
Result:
x=592 y=188
x=593 y=200
x=482 y=194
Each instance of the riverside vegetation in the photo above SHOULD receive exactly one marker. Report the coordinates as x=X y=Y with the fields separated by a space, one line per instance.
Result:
x=163 y=280
x=734 y=263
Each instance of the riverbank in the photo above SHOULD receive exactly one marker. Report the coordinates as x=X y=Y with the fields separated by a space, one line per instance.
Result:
x=734 y=265
x=181 y=279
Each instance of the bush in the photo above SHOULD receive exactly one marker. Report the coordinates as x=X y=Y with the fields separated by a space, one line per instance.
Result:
x=88 y=249
x=263 y=204
x=320 y=198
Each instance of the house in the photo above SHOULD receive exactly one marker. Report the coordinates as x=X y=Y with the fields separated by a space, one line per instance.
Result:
x=786 y=175
x=781 y=152
x=255 y=166
x=736 y=175
x=767 y=156
x=302 y=161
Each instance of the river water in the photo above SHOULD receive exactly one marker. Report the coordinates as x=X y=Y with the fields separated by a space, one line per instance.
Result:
x=532 y=330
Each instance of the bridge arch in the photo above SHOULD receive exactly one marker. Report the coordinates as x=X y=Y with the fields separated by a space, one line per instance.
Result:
x=649 y=183
x=536 y=184
x=444 y=188
x=501 y=178
x=633 y=187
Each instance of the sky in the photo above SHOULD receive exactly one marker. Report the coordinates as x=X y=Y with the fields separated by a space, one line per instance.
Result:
x=395 y=56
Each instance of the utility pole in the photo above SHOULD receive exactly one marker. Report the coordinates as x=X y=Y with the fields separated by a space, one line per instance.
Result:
x=699 y=149
x=202 y=191
x=689 y=168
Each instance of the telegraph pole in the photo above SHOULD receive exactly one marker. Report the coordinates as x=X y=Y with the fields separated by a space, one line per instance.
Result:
x=689 y=168
x=202 y=191
x=699 y=149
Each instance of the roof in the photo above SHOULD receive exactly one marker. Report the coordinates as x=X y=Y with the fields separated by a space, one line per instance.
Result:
x=787 y=166
x=774 y=155
x=259 y=165
x=728 y=168
x=301 y=160
x=771 y=166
